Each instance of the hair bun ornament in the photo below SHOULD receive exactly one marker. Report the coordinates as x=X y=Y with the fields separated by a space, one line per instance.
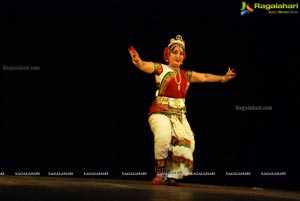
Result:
x=177 y=40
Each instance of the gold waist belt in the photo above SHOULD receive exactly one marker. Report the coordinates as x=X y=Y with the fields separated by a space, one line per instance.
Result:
x=177 y=103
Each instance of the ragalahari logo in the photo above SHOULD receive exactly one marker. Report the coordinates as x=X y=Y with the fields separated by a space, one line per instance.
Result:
x=246 y=9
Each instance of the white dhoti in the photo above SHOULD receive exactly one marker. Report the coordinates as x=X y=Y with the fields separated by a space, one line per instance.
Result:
x=174 y=145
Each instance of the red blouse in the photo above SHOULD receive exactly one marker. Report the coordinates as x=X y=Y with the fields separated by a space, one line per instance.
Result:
x=169 y=83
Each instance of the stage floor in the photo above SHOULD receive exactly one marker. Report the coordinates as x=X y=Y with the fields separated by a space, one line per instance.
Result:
x=30 y=188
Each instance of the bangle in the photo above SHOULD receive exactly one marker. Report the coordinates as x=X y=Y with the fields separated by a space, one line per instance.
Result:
x=223 y=79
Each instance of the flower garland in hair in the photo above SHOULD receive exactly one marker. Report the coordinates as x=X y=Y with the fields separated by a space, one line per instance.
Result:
x=166 y=54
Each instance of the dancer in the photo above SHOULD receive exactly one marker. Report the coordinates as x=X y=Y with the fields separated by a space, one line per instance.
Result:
x=174 y=141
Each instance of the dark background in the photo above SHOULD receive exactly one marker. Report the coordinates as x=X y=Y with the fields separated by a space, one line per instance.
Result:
x=85 y=109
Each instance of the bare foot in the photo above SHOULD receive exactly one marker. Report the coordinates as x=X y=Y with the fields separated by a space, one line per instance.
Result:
x=158 y=180
x=173 y=182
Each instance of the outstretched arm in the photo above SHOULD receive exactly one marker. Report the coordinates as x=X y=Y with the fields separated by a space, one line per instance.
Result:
x=207 y=77
x=145 y=66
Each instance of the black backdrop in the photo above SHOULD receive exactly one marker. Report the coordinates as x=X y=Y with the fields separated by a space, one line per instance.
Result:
x=85 y=108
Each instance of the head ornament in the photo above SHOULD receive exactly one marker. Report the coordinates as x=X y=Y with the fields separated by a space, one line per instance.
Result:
x=176 y=41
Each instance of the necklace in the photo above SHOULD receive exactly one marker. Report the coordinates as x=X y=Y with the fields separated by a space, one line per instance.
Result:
x=178 y=82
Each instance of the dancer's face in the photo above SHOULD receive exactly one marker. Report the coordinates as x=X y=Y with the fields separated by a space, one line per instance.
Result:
x=176 y=56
